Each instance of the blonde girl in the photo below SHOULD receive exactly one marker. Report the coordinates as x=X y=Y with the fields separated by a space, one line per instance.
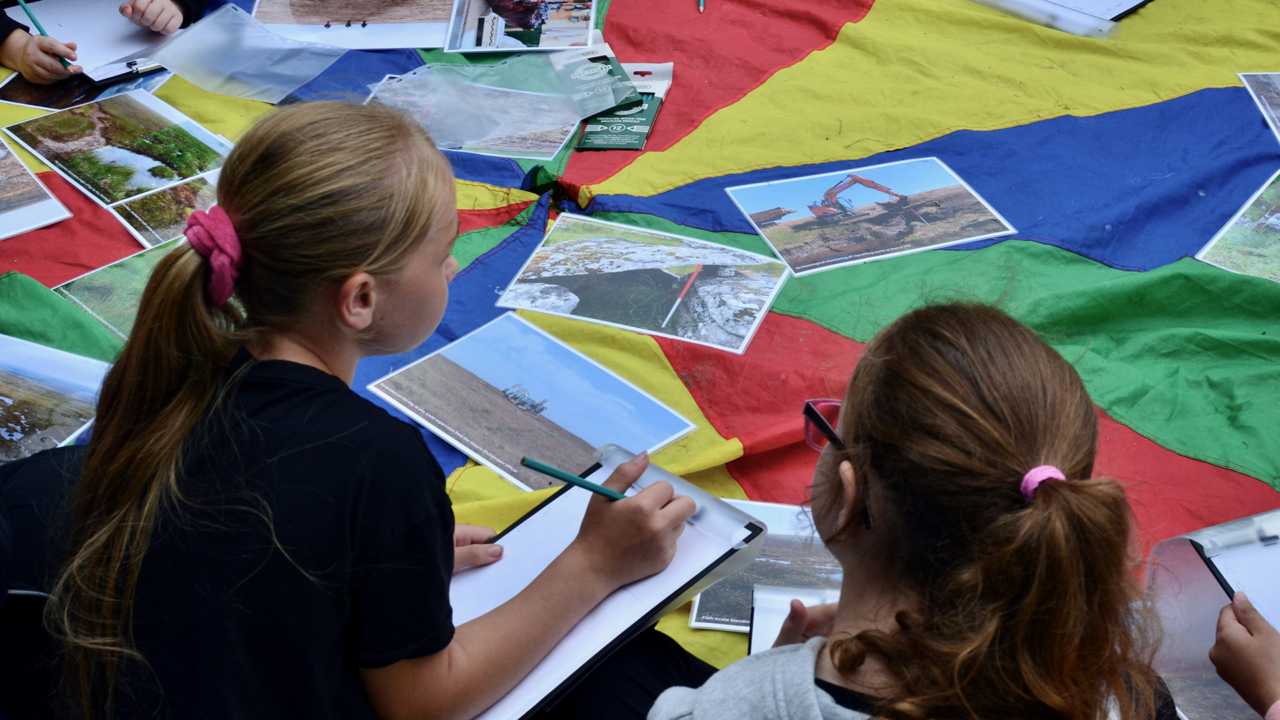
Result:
x=251 y=539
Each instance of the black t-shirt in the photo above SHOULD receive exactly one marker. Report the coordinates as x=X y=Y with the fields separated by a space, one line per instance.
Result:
x=234 y=623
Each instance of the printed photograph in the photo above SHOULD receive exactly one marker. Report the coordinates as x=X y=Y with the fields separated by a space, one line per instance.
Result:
x=46 y=395
x=1265 y=89
x=820 y=222
x=25 y=204
x=321 y=12
x=793 y=556
x=122 y=147
x=647 y=281
x=506 y=25
x=111 y=294
x=162 y=216
x=510 y=390
x=75 y=90
x=541 y=145
x=1250 y=243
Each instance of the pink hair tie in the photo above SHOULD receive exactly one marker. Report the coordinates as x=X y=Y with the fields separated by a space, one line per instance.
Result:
x=1037 y=475
x=213 y=236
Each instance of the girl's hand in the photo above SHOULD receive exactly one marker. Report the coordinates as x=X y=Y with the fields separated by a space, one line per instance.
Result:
x=36 y=57
x=630 y=539
x=471 y=547
x=162 y=16
x=1247 y=654
x=806 y=622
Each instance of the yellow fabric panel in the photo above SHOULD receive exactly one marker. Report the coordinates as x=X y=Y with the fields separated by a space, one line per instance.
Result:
x=914 y=70
x=219 y=114
x=717 y=647
x=481 y=196
x=500 y=512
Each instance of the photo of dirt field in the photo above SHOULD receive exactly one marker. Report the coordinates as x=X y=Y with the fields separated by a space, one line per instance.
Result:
x=508 y=391
x=1250 y=244
x=46 y=395
x=162 y=216
x=18 y=188
x=788 y=560
x=646 y=281
x=111 y=295
x=866 y=213
x=119 y=148
x=319 y=12
x=544 y=144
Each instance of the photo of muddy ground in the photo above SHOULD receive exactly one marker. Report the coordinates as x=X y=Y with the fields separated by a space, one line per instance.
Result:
x=319 y=12
x=949 y=214
x=18 y=189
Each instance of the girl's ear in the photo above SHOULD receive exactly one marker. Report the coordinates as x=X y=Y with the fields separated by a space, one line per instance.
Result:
x=848 y=493
x=356 y=300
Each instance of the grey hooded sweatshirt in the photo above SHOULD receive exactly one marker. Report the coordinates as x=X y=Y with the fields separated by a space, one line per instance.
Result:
x=774 y=685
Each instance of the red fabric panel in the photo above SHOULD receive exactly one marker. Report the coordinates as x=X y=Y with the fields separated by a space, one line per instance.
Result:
x=469 y=220
x=757 y=397
x=720 y=56
x=90 y=238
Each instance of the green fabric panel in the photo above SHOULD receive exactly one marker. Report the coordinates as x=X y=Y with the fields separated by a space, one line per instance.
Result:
x=472 y=245
x=1187 y=355
x=741 y=241
x=30 y=311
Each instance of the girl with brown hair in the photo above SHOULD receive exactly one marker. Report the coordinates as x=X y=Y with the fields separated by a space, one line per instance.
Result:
x=248 y=537
x=987 y=575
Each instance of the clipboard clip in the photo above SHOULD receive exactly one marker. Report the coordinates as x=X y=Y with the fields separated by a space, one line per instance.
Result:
x=143 y=66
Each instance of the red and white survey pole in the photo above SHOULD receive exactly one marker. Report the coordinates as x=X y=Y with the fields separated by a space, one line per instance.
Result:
x=687 y=285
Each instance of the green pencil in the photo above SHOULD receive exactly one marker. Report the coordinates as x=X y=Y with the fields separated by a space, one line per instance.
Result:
x=559 y=474
x=39 y=27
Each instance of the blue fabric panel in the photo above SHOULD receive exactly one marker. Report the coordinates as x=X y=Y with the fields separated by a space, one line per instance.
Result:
x=1135 y=189
x=472 y=295
x=350 y=77
x=499 y=171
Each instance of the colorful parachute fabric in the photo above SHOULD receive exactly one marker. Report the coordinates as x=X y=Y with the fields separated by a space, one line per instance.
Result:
x=1116 y=160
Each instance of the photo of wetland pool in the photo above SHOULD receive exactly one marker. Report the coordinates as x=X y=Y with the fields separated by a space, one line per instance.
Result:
x=647 y=281
x=46 y=395
x=510 y=390
x=111 y=295
x=1250 y=243
x=834 y=219
x=792 y=556
x=123 y=146
x=162 y=216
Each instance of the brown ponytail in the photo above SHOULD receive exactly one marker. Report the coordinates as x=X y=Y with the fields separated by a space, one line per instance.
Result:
x=316 y=192
x=1027 y=609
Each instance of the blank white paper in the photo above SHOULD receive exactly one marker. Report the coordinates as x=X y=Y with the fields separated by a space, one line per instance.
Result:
x=1254 y=569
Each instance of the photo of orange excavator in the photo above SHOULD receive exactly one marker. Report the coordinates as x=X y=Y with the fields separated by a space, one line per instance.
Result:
x=831 y=209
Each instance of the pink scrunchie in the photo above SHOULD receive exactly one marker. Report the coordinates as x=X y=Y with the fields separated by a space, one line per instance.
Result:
x=213 y=236
x=1037 y=475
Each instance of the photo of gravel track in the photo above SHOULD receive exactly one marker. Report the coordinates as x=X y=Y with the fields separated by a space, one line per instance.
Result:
x=119 y=148
x=510 y=390
x=319 y=12
x=18 y=189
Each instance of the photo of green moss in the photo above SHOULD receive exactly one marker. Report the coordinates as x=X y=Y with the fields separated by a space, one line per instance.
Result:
x=1250 y=243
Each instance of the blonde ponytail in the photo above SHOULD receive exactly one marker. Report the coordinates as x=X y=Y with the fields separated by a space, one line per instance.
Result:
x=315 y=192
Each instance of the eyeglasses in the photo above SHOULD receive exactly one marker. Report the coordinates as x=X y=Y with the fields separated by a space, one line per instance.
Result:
x=820 y=418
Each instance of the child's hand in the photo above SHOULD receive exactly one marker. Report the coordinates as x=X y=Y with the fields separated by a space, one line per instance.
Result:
x=803 y=623
x=1247 y=654
x=162 y=16
x=36 y=57
x=623 y=541
x=471 y=547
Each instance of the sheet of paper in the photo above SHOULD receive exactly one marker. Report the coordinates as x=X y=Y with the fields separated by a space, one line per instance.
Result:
x=528 y=549
x=1252 y=569
x=1105 y=9
x=25 y=204
x=770 y=606
x=373 y=37
x=101 y=34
